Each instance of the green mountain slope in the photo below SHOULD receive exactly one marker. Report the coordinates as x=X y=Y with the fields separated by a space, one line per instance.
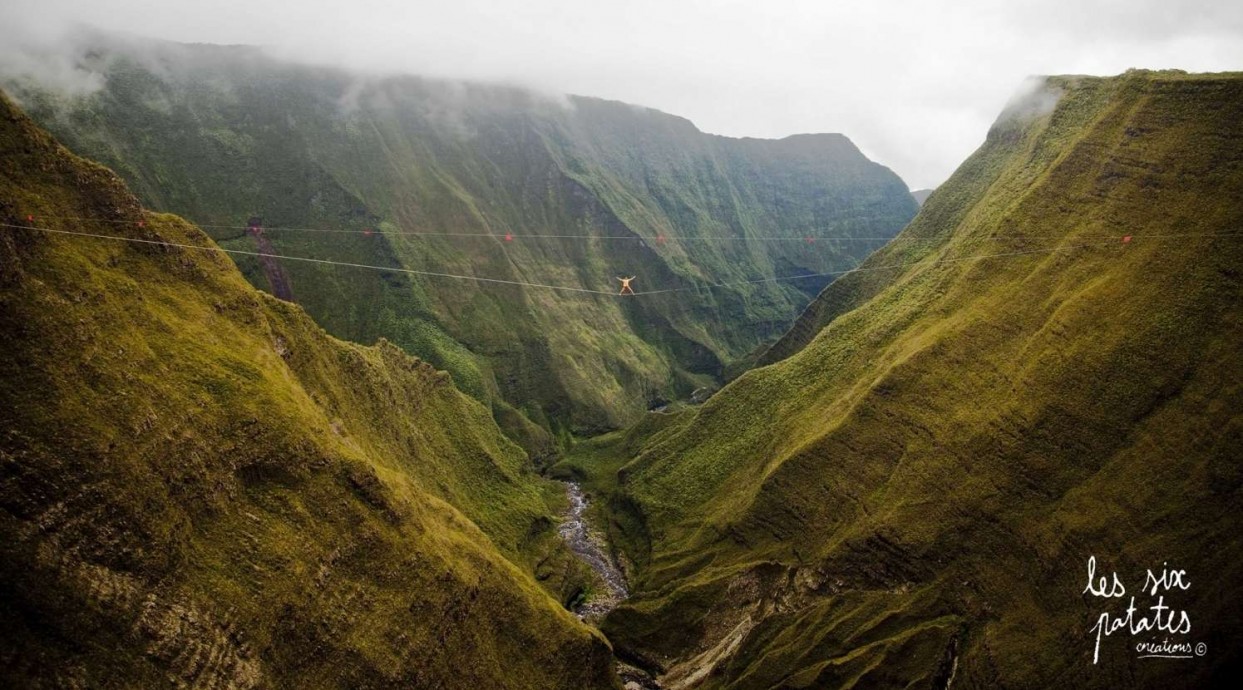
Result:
x=198 y=486
x=910 y=495
x=223 y=134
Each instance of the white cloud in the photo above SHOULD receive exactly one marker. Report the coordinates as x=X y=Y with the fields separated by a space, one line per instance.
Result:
x=914 y=84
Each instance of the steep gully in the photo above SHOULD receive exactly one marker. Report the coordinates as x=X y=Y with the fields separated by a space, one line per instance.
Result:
x=275 y=273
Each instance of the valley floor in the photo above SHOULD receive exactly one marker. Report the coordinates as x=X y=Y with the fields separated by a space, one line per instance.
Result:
x=589 y=545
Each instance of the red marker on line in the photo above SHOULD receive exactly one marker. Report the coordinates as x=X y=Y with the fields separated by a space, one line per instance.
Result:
x=1126 y=239
x=660 y=239
x=30 y=219
x=509 y=237
x=367 y=232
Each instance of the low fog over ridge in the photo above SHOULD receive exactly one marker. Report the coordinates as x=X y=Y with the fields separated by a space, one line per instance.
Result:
x=915 y=85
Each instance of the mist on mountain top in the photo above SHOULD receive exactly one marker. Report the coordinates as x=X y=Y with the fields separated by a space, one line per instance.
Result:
x=914 y=84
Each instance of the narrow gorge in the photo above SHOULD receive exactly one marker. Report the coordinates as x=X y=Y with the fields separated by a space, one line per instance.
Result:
x=317 y=378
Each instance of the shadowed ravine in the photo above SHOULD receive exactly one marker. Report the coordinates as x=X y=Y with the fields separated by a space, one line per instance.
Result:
x=589 y=547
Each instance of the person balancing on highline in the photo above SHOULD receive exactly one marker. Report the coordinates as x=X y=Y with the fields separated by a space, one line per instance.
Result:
x=625 y=290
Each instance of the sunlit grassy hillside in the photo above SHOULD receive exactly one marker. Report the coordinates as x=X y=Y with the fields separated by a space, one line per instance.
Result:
x=912 y=492
x=200 y=487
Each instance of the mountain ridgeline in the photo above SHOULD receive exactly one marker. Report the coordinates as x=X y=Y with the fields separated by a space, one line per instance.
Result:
x=1043 y=369
x=200 y=488
x=585 y=189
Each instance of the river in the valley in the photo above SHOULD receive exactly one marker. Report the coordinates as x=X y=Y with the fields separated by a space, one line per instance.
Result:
x=589 y=545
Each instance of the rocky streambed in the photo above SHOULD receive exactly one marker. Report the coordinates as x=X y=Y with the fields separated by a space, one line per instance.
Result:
x=590 y=546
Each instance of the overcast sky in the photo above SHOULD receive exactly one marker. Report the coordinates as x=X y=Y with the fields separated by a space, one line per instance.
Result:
x=914 y=84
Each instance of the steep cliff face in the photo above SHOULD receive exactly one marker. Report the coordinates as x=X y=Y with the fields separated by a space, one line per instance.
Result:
x=911 y=494
x=199 y=486
x=587 y=189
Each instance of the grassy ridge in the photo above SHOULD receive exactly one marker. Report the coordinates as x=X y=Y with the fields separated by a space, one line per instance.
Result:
x=220 y=134
x=199 y=486
x=911 y=493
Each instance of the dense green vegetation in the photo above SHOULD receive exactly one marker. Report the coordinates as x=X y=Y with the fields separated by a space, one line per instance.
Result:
x=221 y=134
x=200 y=487
x=910 y=493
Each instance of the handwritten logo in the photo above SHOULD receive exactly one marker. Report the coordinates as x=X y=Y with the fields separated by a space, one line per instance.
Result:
x=1159 y=618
